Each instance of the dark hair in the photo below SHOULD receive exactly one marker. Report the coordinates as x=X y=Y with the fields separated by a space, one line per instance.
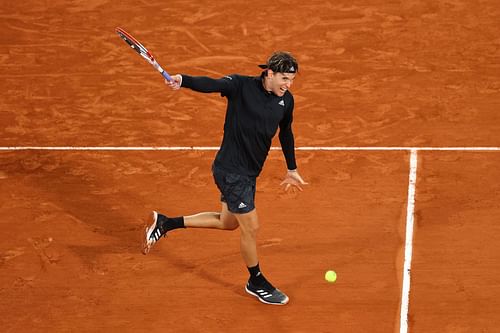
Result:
x=281 y=62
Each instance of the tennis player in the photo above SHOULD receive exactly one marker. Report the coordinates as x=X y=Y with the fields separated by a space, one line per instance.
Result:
x=256 y=107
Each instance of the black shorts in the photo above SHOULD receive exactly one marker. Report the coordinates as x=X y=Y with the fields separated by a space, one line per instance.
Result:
x=237 y=191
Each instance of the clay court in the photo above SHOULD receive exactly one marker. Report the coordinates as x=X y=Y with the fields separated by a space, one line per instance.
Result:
x=397 y=130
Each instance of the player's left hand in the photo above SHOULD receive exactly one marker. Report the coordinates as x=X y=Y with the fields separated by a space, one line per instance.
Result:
x=293 y=180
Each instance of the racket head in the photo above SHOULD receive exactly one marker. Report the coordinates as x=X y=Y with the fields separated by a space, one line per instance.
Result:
x=135 y=45
x=142 y=51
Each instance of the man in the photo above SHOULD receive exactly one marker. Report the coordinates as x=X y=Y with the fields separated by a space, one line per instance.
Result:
x=257 y=106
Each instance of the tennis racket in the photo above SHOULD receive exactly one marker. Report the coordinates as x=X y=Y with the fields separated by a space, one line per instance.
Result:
x=143 y=52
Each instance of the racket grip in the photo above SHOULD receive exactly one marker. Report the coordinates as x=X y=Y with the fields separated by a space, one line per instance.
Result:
x=166 y=76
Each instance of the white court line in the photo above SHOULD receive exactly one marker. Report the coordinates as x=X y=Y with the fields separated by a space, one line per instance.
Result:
x=402 y=148
x=405 y=297
x=199 y=148
x=104 y=148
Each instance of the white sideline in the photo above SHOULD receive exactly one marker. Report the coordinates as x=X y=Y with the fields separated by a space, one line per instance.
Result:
x=410 y=209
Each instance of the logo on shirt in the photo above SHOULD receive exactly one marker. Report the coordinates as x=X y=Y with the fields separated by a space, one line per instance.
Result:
x=282 y=103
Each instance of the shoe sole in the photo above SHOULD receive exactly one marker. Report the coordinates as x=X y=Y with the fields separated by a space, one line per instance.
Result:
x=263 y=301
x=150 y=224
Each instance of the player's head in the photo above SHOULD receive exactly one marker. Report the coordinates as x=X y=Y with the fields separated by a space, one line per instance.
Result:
x=281 y=62
x=280 y=71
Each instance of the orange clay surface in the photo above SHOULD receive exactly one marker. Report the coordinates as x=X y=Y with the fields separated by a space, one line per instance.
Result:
x=372 y=73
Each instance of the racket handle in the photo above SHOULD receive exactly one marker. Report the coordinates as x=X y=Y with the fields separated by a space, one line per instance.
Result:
x=166 y=76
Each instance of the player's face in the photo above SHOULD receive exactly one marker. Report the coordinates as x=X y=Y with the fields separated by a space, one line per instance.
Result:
x=279 y=83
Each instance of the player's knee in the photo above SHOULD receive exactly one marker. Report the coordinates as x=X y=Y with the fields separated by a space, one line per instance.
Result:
x=252 y=228
x=231 y=226
x=229 y=223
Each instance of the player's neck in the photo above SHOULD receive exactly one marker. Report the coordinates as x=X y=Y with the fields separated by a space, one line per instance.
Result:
x=266 y=84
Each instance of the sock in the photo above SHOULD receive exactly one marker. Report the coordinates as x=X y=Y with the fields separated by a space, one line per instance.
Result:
x=170 y=223
x=257 y=278
x=174 y=223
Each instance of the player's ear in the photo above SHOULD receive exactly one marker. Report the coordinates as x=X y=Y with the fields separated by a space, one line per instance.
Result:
x=270 y=73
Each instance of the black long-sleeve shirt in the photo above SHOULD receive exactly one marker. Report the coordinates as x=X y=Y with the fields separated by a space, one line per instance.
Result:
x=252 y=118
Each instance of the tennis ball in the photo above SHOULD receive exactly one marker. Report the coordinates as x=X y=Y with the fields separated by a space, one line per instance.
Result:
x=330 y=276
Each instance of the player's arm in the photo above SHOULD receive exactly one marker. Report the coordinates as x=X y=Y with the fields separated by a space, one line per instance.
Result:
x=202 y=83
x=287 y=142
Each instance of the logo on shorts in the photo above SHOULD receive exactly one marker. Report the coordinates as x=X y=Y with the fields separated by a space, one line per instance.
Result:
x=242 y=205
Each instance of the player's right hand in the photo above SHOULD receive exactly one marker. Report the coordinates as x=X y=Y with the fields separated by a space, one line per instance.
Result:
x=176 y=82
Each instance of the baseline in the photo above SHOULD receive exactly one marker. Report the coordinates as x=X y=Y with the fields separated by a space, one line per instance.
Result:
x=304 y=148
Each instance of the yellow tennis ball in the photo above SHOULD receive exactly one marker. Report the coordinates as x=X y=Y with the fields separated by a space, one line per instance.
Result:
x=330 y=276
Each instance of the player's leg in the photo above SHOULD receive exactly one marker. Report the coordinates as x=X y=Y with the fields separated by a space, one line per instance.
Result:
x=238 y=192
x=160 y=224
x=249 y=226
x=257 y=284
x=225 y=220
